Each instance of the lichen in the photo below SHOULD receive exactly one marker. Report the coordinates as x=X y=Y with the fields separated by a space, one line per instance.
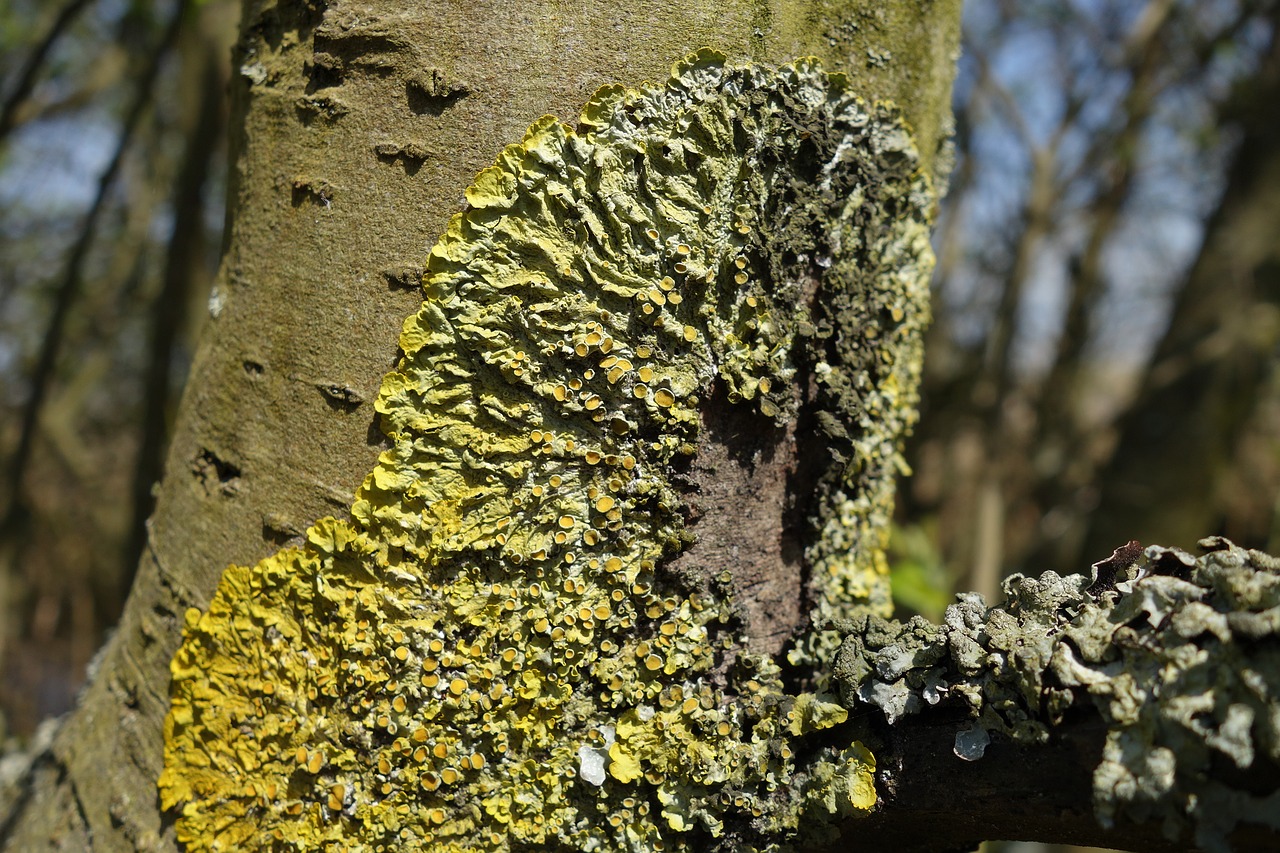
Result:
x=1179 y=655
x=488 y=654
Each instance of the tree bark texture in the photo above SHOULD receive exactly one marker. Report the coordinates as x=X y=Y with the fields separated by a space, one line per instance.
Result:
x=356 y=127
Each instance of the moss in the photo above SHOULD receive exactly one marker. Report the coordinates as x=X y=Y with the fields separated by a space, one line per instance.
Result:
x=1180 y=656
x=488 y=654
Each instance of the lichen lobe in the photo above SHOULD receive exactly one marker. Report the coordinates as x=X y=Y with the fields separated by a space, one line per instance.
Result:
x=1179 y=655
x=488 y=655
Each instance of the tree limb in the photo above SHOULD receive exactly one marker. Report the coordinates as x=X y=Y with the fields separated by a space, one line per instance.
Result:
x=1155 y=684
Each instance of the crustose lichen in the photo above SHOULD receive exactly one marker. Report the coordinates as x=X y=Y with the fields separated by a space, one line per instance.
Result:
x=488 y=654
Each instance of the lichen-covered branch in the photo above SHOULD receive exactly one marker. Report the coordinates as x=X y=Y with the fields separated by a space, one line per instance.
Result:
x=494 y=652
x=1178 y=656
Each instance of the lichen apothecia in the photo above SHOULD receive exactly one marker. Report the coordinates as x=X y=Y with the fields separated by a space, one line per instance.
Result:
x=487 y=654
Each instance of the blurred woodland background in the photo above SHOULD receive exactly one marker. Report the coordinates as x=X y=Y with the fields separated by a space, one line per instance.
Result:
x=1102 y=364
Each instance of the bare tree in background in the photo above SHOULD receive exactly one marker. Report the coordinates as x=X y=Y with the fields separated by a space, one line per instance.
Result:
x=110 y=167
x=1108 y=154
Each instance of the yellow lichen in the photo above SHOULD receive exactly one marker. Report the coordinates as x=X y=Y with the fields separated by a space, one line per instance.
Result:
x=488 y=655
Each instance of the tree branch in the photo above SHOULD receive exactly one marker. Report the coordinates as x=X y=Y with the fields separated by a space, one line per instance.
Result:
x=1149 y=689
x=31 y=68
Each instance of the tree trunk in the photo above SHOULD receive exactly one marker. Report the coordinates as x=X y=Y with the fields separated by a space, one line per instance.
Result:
x=356 y=128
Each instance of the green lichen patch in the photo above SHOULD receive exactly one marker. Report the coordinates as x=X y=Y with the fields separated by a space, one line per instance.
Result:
x=488 y=655
x=1180 y=655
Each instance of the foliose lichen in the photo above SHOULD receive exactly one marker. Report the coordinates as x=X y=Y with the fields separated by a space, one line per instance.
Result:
x=1180 y=656
x=488 y=654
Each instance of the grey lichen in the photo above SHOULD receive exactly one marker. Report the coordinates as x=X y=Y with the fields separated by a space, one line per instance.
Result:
x=1180 y=656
